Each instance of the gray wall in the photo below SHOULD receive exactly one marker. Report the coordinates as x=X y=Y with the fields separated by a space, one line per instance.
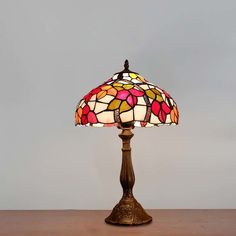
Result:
x=53 y=52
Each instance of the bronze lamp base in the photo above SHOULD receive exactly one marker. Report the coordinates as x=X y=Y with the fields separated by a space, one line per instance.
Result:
x=128 y=211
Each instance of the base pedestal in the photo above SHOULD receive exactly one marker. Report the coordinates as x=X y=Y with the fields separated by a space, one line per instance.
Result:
x=128 y=212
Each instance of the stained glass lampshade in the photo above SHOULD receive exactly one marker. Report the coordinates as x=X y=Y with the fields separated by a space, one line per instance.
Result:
x=127 y=100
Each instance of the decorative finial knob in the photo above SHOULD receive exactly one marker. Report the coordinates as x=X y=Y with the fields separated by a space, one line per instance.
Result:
x=126 y=69
x=126 y=65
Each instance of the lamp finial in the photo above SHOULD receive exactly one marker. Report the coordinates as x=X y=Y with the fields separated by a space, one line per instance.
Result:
x=126 y=65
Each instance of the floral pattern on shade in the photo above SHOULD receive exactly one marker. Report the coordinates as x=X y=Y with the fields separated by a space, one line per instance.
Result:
x=124 y=98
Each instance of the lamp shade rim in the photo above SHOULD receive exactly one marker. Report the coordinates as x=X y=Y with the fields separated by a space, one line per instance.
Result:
x=137 y=124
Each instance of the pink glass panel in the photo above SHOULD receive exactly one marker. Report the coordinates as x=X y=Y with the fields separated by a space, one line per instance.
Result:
x=136 y=92
x=122 y=94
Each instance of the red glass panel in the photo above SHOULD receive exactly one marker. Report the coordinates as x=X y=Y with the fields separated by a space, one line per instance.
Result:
x=88 y=96
x=92 y=117
x=162 y=116
x=156 y=107
x=165 y=108
x=96 y=90
x=143 y=124
x=86 y=110
x=84 y=120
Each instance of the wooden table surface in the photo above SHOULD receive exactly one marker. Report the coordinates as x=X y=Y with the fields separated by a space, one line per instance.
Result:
x=83 y=223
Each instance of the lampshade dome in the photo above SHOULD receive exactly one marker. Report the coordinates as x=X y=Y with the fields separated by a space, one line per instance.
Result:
x=126 y=97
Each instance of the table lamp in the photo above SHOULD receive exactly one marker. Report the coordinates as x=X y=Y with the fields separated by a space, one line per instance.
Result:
x=127 y=100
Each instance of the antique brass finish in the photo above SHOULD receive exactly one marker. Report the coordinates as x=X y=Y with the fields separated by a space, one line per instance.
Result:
x=128 y=211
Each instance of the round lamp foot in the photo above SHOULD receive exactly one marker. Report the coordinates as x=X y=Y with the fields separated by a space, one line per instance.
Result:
x=128 y=212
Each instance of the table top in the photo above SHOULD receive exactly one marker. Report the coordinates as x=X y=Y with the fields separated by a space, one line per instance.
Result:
x=88 y=222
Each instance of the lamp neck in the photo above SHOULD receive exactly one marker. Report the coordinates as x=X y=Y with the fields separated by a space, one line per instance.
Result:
x=127 y=177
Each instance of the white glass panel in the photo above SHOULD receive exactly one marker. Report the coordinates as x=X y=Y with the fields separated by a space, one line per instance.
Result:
x=93 y=98
x=164 y=96
x=126 y=116
x=154 y=119
x=115 y=77
x=140 y=112
x=158 y=89
x=106 y=117
x=135 y=81
x=168 y=120
x=150 y=100
x=149 y=125
x=83 y=104
x=127 y=78
x=100 y=107
x=144 y=86
x=123 y=82
x=98 y=125
x=125 y=74
x=137 y=124
x=141 y=101
x=161 y=124
x=106 y=99
x=91 y=105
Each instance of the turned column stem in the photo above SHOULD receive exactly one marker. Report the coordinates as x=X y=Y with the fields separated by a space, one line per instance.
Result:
x=128 y=210
x=127 y=177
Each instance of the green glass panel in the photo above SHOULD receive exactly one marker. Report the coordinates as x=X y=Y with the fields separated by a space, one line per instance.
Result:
x=156 y=91
x=114 y=104
x=124 y=106
x=159 y=98
x=150 y=94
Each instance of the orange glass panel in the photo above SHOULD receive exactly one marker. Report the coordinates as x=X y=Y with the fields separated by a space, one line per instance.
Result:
x=106 y=87
x=112 y=91
x=101 y=94
x=80 y=110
